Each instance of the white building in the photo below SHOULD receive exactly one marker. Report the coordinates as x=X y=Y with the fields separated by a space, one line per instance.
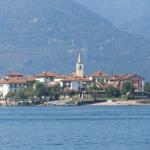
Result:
x=72 y=83
x=13 y=82
x=46 y=77
x=75 y=83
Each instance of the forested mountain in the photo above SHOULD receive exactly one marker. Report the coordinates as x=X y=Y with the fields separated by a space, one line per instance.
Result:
x=40 y=35
x=118 y=11
x=139 y=26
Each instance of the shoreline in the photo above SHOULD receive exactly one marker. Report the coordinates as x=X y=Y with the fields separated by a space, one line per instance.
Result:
x=142 y=102
x=124 y=103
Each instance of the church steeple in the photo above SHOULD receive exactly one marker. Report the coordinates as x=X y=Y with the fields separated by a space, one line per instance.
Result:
x=79 y=59
x=79 y=67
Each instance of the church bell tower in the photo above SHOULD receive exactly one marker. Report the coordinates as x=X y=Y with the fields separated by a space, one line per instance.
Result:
x=79 y=67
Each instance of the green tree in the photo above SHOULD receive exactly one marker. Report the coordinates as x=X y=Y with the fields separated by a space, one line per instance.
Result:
x=54 y=92
x=66 y=91
x=40 y=90
x=58 y=91
x=10 y=95
x=112 y=92
x=29 y=92
x=128 y=88
x=21 y=94
x=147 y=87
x=94 y=89
x=72 y=93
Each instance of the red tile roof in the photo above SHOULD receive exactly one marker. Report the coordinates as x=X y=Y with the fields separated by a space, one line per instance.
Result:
x=126 y=77
x=117 y=77
x=12 y=81
x=60 y=77
x=31 y=78
x=76 y=79
x=131 y=76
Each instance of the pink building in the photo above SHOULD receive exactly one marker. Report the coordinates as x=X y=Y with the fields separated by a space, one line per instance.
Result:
x=137 y=81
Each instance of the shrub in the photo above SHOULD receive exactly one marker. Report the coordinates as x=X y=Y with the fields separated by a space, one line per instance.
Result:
x=112 y=92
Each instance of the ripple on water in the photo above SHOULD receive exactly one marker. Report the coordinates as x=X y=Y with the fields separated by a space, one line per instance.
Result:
x=107 y=128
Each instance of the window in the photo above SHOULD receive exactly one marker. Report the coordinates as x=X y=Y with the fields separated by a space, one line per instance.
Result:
x=80 y=67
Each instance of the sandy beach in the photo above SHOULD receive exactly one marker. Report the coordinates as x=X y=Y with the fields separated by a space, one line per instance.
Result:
x=123 y=102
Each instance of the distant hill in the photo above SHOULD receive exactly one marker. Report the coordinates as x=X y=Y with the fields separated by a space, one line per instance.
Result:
x=40 y=35
x=139 y=26
x=118 y=11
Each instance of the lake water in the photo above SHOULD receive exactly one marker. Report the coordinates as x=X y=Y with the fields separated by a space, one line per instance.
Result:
x=75 y=128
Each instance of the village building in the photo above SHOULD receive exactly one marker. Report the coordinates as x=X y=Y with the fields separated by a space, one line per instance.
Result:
x=100 y=77
x=12 y=82
x=46 y=77
x=119 y=80
x=75 y=83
